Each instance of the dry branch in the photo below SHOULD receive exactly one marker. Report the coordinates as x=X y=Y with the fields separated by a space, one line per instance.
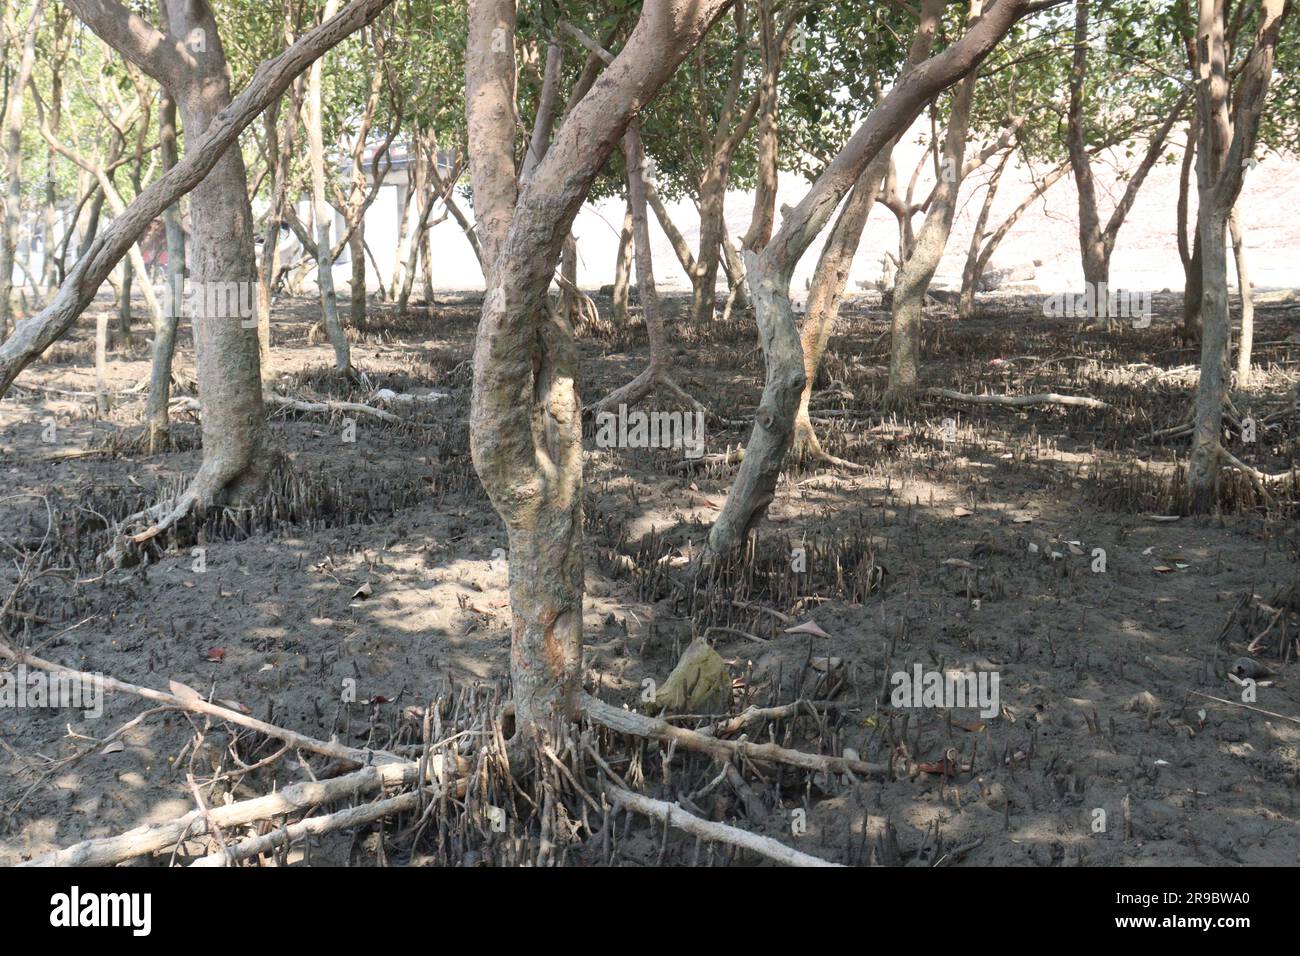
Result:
x=720 y=832
x=198 y=705
x=629 y=722
x=1046 y=398
x=314 y=826
x=153 y=837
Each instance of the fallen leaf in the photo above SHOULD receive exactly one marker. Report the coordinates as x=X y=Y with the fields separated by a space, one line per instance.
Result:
x=1163 y=517
x=363 y=592
x=961 y=513
x=216 y=655
x=961 y=563
x=807 y=627
x=235 y=706
x=115 y=747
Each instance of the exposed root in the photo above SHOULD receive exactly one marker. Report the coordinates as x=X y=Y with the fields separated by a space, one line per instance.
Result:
x=312 y=826
x=807 y=447
x=674 y=815
x=654 y=728
x=651 y=378
x=153 y=837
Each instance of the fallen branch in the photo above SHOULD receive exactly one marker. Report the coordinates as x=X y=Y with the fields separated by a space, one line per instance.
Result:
x=189 y=404
x=672 y=814
x=152 y=837
x=198 y=705
x=639 y=725
x=313 y=826
x=1258 y=710
x=1046 y=398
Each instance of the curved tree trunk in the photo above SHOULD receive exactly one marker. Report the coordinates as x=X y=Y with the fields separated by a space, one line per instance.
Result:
x=972 y=270
x=525 y=421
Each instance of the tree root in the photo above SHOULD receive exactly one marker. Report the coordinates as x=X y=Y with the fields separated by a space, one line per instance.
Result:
x=313 y=826
x=806 y=446
x=674 y=815
x=152 y=837
x=654 y=728
x=425 y=780
x=651 y=378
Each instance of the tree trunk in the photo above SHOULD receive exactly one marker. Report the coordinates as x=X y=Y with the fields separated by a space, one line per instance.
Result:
x=1094 y=250
x=13 y=150
x=357 y=289
x=704 y=282
x=623 y=267
x=101 y=364
x=1203 y=462
x=403 y=247
x=525 y=418
x=323 y=216
x=763 y=216
x=1226 y=143
x=826 y=291
x=972 y=271
x=164 y=334
x=124 y=302
x=769 y=273
x=919 y=266
x=1247 y=341
x=236 y=449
